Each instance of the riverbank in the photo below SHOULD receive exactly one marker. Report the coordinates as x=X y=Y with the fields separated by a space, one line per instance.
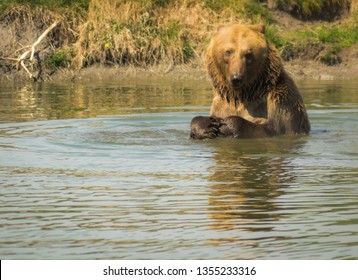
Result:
x=106 y=40
x=298 y=68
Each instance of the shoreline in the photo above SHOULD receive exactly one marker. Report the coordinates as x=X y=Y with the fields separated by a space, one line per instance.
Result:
x=299 y=69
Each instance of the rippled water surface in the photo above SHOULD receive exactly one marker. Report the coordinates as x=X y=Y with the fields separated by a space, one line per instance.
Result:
x=104 y=171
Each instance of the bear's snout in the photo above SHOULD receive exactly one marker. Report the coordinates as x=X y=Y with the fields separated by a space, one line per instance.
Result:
x=236 y=81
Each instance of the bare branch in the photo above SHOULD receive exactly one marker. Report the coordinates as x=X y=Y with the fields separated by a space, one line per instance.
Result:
x=31 y=52
x=38 y=41
x=9 y=58
x=27 y=70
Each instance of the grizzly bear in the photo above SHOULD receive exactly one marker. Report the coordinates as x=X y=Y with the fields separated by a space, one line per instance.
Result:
x=254 y=96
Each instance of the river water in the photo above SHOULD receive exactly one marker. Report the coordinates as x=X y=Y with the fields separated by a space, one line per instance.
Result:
x=107 y=171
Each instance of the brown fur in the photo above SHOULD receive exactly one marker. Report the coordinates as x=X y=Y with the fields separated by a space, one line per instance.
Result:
x=254 y=95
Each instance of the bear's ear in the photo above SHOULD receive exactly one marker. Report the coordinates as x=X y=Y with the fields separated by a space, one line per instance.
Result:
x=259 y=28
x=218 y=30
x=220 y=27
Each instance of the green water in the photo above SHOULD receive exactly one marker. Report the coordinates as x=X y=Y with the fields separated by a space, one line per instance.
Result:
x=107 y=171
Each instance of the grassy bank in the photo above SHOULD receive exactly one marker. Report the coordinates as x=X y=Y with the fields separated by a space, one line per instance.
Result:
x=149 y=32
x=314 y=9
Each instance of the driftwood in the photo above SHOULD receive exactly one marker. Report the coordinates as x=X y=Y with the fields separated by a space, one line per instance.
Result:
x=31 y=52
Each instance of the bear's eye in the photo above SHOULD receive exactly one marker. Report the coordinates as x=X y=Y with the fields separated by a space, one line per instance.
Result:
x=228 y=52
x=249 y=57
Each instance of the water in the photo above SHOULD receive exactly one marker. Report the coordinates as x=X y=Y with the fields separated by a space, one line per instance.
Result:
x=107 y=171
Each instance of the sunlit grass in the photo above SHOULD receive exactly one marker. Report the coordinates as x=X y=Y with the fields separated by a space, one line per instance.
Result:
x=147 y=32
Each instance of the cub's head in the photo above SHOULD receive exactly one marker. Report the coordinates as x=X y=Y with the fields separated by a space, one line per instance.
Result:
x=237 y=56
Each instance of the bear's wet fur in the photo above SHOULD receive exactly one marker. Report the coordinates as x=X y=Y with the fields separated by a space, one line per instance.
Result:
x=253 y=95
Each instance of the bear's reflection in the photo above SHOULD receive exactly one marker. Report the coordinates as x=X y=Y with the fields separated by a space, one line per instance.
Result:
x=247 y=177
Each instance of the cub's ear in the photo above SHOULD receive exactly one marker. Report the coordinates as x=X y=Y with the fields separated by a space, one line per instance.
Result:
x=259 y=28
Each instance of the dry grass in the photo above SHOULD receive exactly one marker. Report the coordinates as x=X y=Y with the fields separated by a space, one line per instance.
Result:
x=38 y=19
x=128 y=32
x=148 y=33
x=139 y=32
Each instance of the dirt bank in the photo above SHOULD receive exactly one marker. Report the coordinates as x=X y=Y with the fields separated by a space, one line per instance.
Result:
x=313 y=69
x=300 y=70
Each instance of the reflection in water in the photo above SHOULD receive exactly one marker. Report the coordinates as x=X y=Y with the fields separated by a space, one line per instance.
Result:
x=247 y=177
x=42 y=101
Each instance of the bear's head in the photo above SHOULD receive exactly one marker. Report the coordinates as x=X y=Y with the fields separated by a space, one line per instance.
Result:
x=240 y=61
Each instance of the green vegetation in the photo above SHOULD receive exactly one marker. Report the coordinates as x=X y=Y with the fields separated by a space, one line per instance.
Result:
x=339 y=36
x=324 y=41
x=330 y=58
x=147 y=32
x=60 y=58
x=308 y=9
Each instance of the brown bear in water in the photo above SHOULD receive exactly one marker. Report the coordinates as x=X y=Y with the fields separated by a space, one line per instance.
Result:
x=254 y=95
